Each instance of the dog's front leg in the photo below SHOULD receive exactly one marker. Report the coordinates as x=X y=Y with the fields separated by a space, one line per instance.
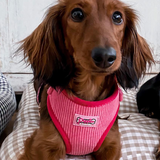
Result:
x=111 y=147
x=44 y=144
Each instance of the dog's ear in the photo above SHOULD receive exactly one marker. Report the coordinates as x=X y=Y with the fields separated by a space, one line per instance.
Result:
x=46 y=52
x=135 y=53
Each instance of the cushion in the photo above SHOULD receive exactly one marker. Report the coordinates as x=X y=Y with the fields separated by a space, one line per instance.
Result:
x=139 y=134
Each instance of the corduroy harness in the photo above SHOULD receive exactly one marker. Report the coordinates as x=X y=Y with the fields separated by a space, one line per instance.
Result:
x=82 y=124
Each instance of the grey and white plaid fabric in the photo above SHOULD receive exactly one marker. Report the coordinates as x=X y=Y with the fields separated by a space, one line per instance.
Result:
x=139 y=134
x=7 y=102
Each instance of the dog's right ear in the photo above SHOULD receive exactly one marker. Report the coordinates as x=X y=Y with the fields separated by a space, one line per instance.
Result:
x=45 y=49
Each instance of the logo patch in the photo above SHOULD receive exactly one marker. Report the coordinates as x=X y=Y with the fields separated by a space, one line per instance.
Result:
x=85 y=121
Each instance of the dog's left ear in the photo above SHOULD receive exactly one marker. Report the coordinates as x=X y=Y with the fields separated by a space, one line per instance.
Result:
x=135 y=53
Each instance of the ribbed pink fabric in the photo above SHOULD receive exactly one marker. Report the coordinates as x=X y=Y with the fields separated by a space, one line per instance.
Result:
x=82 y=124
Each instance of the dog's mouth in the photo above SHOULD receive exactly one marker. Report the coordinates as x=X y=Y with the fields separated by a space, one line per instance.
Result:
x=101 y=72
x=97 y=71
x=91 y=68
x=105 y=72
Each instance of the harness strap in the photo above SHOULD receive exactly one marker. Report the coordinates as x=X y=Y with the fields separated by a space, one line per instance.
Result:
x=40 y=89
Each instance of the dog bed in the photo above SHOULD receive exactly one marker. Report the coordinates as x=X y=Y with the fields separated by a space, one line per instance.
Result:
x=139 y=134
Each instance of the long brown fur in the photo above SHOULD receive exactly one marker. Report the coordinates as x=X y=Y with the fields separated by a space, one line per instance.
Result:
x=59 y=51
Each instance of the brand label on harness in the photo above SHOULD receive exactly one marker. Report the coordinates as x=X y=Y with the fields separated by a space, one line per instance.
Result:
x=85 y=121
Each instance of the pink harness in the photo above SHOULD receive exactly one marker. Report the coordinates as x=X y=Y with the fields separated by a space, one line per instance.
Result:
x=82 y=124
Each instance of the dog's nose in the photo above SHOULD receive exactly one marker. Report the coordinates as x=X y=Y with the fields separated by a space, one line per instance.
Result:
x=104 y=57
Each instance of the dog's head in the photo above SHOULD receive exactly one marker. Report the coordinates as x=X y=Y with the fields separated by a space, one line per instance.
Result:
x=98 y=36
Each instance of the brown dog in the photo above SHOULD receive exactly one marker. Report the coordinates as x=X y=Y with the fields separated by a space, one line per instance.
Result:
x=80 y=47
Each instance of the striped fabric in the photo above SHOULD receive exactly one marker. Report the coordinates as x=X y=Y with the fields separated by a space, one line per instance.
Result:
x=7 y=102
x=139 y=134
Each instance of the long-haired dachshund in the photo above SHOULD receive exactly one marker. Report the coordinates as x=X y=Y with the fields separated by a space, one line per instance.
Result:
x=79 y=53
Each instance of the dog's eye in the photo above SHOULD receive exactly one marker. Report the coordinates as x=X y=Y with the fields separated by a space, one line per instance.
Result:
x=77 y=15
x=117 y=18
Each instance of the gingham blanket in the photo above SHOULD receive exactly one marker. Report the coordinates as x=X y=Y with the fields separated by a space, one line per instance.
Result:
x=139 y=134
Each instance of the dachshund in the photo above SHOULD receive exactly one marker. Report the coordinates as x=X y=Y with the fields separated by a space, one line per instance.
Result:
x=82 y=49
x=148 y=100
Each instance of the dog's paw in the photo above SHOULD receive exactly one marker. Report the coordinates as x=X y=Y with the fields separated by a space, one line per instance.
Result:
x=150 y=114
x=147 y=112
x=158 y=154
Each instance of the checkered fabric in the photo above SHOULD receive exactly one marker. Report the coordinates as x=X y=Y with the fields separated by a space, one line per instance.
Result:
x=139 y=134
x=7 y=102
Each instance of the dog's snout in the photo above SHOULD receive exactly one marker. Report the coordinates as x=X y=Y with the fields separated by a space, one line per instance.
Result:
x=104 y=57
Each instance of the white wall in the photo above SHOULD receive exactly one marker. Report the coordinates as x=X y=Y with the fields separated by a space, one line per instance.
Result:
x=149 y=24
x=18 y=18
